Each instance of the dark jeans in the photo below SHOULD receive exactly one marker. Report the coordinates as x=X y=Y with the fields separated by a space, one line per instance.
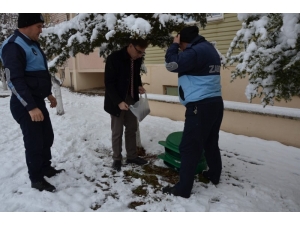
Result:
x=201 y=132
x=38 y=138
x=129 y=120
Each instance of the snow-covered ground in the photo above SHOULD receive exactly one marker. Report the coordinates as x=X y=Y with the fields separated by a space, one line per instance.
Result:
x=257 y=176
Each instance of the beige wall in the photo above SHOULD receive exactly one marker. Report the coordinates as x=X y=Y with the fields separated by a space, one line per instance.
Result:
x=157 y=76
x=85 y=72
x=284 y=130
x=90 y=63
x=84 y=81
x=268 y=127
x=67 y=80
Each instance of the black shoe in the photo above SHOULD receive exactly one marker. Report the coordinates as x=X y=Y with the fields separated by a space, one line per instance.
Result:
x=169 y=190
x=137 y=160
x=205 y=174
x=43 y=185
x=52 y=172
x=117 y=165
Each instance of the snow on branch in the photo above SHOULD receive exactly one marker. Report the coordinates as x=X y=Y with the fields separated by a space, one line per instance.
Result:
x=110 y=31
x=270 y=56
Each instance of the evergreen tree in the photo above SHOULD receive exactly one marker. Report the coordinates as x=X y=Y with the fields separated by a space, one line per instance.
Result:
x=111 y=31
x=270 y=55
x=8 y=23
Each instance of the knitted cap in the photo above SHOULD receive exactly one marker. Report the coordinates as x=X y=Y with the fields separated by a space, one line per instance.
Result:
x=28 y=19
x=188 y=34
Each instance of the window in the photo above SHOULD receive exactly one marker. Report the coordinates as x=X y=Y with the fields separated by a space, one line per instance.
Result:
x=211 y=17
x=214 y=16
x=171 y=90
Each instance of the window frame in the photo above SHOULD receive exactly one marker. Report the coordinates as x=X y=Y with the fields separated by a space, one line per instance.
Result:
x=210 y=18
x=165 y=87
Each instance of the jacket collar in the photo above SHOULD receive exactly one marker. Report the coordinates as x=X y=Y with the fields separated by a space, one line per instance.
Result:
x=197 y=40
x=125 y=53
x=26 y=39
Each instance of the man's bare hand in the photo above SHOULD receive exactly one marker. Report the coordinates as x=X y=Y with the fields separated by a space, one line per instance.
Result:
x=176 y=39
x=142 y=90
x=123 y=106
x=52 y=100
x=36 y=115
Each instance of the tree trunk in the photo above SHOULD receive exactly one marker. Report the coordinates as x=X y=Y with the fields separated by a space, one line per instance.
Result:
x=58 y=96
x=138 y=136
x=140 y=150
x=4 y=84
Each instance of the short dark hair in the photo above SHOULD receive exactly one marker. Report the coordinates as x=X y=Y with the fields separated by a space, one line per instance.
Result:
x=189 y=33
x=140 y=42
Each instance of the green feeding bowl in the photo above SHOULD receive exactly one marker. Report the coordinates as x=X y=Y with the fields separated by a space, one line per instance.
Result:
x=172 y=158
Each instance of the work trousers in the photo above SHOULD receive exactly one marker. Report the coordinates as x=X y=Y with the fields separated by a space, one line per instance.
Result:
x=38 y=138
x=201 y=132
x=128 y=120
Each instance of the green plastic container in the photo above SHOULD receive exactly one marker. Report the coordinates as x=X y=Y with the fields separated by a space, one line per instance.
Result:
x=172 y=158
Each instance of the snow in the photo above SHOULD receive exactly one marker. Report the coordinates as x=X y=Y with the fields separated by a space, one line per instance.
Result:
x=291 y=29
x=138 y=25
x=257 y=176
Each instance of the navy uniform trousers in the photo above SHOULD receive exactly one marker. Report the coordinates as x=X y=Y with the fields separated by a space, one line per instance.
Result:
x=201 y=132
x=38 y=137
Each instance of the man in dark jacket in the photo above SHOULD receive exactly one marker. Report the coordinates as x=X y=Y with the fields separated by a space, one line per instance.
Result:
x=122 y=88
x=198 y=68
x=30 y=82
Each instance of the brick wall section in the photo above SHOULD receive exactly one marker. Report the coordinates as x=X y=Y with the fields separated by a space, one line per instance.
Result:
x=55 y=18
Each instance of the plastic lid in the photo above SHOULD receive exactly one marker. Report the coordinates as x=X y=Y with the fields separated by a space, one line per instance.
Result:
x=173 y=141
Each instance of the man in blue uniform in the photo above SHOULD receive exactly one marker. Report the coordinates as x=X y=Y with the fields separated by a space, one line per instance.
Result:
x=30 y=82
x=199 y=88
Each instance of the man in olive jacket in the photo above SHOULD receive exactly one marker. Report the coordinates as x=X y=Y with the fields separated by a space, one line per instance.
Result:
x=122 y=88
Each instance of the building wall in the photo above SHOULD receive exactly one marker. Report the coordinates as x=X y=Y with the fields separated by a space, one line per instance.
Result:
x=56 y=18
x=222 y=31
x=85 y=72
x=269 y=127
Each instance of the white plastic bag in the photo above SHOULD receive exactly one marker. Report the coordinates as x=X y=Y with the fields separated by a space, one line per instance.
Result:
x=141 y=108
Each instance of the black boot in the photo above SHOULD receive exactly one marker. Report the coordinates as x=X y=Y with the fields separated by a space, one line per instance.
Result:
x=169 y=190
x=52 y=172
x=137 y=161
x=117 y=165
x=43 y=185
x=205 y=174
x=172 y=191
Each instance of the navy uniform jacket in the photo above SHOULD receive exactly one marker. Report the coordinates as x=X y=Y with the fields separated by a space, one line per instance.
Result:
x=28 y=77
x=198 y=68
